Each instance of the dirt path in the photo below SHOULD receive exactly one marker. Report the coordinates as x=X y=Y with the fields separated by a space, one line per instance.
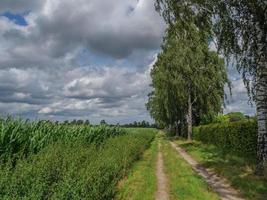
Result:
x=162 y=185
x=219 y=184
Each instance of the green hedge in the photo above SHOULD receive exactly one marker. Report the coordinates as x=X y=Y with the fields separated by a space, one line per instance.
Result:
x=239 y=138
x=74 y=171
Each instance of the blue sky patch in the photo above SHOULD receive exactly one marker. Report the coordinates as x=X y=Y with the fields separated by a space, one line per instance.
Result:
x=16 y=18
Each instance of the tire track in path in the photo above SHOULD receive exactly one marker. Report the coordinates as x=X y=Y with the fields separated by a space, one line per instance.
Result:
x=162 y=182
x=217 y=183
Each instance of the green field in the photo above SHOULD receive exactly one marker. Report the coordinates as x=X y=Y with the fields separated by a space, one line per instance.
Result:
x=42 y=160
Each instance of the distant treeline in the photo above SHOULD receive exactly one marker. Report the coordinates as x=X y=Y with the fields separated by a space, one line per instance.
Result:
x=141 y=124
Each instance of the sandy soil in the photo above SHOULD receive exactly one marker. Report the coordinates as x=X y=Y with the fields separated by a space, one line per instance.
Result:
x=162 y=183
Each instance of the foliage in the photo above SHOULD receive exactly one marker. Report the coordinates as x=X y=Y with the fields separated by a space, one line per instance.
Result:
x=238 y=170
x=236 y=116
x=186 y=69
x=74 y=170
x=239 y=29
x=76 y=122
x=223 y=118
x=142 y=124
x=208 y=118
x=239 y=138
x=20 y=138
x=103 y=122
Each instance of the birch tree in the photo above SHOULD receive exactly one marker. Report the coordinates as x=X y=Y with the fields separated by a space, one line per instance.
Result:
x=240 y=29
x=187 y=77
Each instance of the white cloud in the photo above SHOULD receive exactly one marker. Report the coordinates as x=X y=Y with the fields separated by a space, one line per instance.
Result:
x=40 y=74
x=58 y=29
x=239 y=101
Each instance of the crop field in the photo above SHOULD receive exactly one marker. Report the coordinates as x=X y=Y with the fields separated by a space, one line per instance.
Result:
x=18 y=138
x=43 y=160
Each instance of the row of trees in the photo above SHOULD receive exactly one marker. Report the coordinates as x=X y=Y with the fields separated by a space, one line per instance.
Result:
x=77 y=122
x=141 y=124
x=188 y=79
x=239 y=28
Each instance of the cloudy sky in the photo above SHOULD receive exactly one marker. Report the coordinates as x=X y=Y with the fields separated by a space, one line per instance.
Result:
x=65 y=59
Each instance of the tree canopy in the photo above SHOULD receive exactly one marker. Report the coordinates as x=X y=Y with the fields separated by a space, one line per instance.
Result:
x=187 y=76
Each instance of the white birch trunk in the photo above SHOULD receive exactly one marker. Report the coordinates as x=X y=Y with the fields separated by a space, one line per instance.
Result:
x=261 y=102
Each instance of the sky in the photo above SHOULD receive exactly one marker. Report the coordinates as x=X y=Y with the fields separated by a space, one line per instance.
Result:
x=80 y=59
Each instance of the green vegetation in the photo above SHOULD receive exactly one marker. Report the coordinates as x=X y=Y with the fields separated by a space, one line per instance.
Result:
x=18 y=138
x=239 y=138
x=236 y=169
x=223 y=118
x=140 y=183
x=75 y=170
x=141 y=124
x=188 y=79
x=184 y=182
x=239 y=29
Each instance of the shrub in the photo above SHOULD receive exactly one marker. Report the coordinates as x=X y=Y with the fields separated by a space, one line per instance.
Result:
x=74 y=171
x=239 y=138
x=236 y=116
x=223 y=118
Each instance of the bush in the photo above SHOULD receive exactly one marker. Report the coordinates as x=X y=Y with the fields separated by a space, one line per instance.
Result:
x=239 y=138
x=74 y=171
x=223 y=118
x=236 y=116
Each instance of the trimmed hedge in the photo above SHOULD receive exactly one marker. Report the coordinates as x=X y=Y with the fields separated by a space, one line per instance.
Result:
x=239 y=138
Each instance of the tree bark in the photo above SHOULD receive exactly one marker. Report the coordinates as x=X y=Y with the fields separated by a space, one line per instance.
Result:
x=261 y=102
x=189 y=118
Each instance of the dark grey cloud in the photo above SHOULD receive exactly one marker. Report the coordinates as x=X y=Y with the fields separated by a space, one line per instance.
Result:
x=101 y=92
x=103 y=26
x=81 y=92
x=106 y=83
x=58 y=30
x=20 y=6
x=29 y=86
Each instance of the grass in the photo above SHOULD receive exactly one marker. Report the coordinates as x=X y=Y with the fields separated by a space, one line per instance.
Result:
x=183 y=181
x=237 y=170
x=140 y=184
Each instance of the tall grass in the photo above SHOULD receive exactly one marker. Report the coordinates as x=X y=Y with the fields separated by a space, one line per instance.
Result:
x=19 y=139
x=74 y=170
